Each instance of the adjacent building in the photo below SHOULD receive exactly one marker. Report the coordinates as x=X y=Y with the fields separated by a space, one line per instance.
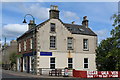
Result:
x=7 y=51
x=55 y=44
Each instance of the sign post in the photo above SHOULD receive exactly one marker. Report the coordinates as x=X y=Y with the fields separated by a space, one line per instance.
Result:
x=65 y=72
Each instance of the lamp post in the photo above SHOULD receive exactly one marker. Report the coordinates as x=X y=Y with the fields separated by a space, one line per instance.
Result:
x=33 y=35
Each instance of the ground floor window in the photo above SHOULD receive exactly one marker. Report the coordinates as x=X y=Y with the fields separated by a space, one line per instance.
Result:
x=18 y=64
x=85 y=62
x=70 y=63
x=32 y=63
x=25 y=63
x=52 y=63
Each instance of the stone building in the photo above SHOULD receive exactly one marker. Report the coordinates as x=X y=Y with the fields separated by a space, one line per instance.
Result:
x=55 y=44
x=7 y=51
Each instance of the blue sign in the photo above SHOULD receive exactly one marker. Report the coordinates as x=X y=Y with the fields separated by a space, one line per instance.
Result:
x=45 y=53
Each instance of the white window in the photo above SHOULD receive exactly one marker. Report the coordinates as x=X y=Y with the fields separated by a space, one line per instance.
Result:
x=31 y=43
x=24 y=45
x=52 y=41
x=70 y=63
x=52 y=27
x=70 y=43
x=52 y=63
x=85 y=44
x=19 y=49
x=85 y=62
x=32 y=63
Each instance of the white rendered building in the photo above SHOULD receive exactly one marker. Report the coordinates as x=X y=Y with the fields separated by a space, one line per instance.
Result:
x=57 y=45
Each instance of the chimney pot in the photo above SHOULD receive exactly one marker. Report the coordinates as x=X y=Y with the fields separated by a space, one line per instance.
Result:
x=73 y=22
x=31 y=24
x=85 y=18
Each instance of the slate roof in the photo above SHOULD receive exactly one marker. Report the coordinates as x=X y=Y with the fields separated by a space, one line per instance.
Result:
x=79 y=29
x=73 y=28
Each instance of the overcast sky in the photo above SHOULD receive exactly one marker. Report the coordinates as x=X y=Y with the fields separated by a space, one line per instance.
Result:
x=98 y=13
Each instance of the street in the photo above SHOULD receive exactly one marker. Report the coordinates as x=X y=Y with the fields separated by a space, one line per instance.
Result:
x=11 y=75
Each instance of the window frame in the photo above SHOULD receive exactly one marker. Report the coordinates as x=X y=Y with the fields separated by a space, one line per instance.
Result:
x=25 y=45
x=70 y=62
x=85 y=44
x=52 y=28
x=52 y=42
x=69 y=43
x=31 y=43
x=19 y=47
x=52 y=63
x=86 y=63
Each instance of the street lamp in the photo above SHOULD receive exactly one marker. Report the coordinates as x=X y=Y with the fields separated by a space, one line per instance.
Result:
x=24 y=21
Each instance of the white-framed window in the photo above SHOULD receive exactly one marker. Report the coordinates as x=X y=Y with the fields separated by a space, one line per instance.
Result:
x=69 y=43
x=31 y=43
x=52 y=27
x=32 y=63
x=85 y=62
x=19 y=48
x=85 y=44
x=52 y=63
x=70 y=63
x=24 y=45
x=52 y=42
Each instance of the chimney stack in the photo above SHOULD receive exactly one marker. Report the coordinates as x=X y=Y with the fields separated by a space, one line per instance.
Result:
x=54 y=12
x=31 y=24
x=85 y=21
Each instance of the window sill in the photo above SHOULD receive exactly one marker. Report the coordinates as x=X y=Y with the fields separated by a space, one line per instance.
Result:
x=52 y=48
x=85 y=49
x=70 y=49
x=53 y=32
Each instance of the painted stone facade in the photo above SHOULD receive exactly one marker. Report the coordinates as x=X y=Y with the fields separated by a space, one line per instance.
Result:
x=57 y=45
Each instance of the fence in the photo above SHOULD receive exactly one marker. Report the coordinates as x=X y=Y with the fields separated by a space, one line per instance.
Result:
x=45 y=71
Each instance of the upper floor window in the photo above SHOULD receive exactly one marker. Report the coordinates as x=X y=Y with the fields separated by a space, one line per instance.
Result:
x=19 y=48
x=24 y=45
x=85 y=62
x=52 y=27
x=70 y=43
x=85 y=44
x=52 y=41
x=70 y=61
x=31 y=43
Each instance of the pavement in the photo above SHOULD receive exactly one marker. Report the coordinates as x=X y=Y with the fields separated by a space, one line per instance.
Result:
x=25 y=75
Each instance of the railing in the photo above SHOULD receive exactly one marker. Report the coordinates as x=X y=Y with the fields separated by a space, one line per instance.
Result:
x=45 y=71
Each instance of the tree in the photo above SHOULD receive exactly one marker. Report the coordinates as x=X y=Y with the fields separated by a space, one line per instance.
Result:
x=13 y=58
x=108 y=51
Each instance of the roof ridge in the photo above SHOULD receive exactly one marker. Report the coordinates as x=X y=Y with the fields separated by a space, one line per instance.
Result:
x=73 y=24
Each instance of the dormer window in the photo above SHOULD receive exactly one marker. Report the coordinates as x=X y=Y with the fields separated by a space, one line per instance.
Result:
x=52 y=27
